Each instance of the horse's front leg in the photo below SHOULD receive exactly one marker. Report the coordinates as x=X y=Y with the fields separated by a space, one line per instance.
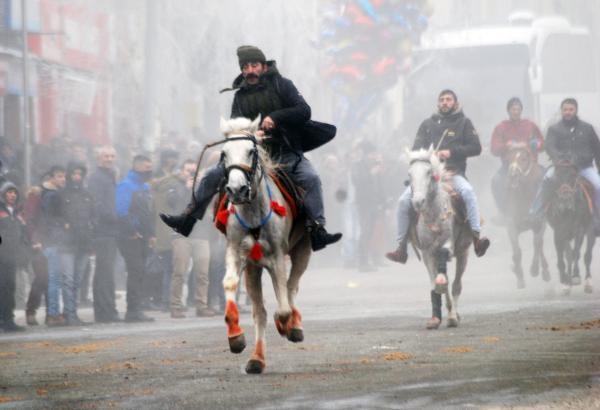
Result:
x=538 y=246
x=461 y=265
x=587 y=259
x=517 y=266
x=235 y=334
x=578 y=243
x=278 y=276
x=257 y=362
x=436 y=298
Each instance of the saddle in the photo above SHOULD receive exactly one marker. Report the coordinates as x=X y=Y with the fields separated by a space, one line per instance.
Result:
x=291 y=192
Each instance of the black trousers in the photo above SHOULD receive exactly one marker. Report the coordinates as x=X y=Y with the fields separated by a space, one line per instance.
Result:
x=8 y=275
x=39 y=286
x=103 y=285
x=134 y=253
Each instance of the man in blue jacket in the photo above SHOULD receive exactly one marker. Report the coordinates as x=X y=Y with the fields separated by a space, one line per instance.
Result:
x=261 y=90
x=135 y=213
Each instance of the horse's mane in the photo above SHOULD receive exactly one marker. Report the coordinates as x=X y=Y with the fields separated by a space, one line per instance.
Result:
x=437 y=166
x=241 y=125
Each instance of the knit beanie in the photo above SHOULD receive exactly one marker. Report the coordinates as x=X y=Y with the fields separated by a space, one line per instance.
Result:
x=250 y=54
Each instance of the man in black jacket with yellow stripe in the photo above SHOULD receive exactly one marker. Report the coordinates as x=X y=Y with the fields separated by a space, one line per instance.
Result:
x=261 y=90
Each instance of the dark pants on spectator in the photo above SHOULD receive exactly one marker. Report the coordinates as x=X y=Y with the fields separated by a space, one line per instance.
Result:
x=134 y=253
x=84 y=287
x=39 y=286
x=8 y=275
x=104 y=278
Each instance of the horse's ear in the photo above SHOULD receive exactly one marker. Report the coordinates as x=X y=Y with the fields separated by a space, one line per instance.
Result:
x=225 y=127
x=255 y=124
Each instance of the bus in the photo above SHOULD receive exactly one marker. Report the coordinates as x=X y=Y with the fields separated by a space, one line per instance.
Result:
x=540 y=60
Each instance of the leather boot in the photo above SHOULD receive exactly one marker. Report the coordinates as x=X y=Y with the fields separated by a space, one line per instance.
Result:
x=320 y=238
x=182 y=224
x=399 y=255
x=480 y=245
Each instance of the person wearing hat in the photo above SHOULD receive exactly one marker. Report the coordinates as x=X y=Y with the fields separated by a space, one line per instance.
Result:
x=260 y=90
x=455 y=139
x=515 y=132
x=12 y=230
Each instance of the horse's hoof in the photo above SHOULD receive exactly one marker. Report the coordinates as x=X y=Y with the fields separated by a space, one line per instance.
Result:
x=281 y=324
x=520 y=283
x=254 y=367
x=237 y=344
x=546 y=275
x=452 y=323
x=575 y=280
x=566 y=290
x=534 y=271
x=588 y=286
x=296 y=335
x=433 y=323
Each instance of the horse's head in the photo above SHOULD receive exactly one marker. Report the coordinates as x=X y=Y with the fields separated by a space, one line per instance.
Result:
x=521 y=163
x=424 y=174
x=241 y=158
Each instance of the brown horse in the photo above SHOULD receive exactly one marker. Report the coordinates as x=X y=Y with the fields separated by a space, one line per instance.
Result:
x=523 y=177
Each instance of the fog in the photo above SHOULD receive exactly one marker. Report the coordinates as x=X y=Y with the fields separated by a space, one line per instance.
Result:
x=145 y=76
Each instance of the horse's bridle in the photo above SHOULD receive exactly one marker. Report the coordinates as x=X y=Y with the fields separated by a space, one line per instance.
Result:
x=248 y=171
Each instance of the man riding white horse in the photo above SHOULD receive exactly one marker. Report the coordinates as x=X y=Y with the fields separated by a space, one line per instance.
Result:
x=453 y=136
x=261 y=90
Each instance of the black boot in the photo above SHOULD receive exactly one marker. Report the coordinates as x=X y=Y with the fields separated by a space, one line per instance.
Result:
x=399 y=255
x=182 y=224
x=320 y=238
x=480 y=245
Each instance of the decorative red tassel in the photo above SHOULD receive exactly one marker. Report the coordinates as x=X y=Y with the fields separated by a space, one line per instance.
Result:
x=223 y=216
x=256 y=253
x=278 y=209
x=436 y=177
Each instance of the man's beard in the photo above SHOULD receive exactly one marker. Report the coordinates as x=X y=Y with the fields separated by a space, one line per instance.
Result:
x=251 y=77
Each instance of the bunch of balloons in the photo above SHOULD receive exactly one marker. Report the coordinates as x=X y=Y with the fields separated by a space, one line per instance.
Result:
x=368 y=45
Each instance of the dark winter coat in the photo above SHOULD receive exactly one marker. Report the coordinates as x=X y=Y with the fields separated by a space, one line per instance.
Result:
x=12 y=230
x=102 y=185
x=79 y=214
x=460 y=139
x=578 y=141
x=135 y=209
x=278 y=98
x=53 y=220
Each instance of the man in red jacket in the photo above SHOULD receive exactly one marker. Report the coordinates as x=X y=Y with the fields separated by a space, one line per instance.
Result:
x=515 y=132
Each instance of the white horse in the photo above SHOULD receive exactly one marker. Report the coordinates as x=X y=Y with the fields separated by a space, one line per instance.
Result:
x=260 y=233
x=439 y=233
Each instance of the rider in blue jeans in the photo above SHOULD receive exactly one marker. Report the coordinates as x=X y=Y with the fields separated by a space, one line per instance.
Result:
x=577 y=140
x=453 y=136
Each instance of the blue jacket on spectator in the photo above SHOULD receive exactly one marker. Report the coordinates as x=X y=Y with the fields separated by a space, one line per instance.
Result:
x=134 y=205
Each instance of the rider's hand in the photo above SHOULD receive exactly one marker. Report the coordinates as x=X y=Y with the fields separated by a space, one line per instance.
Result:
x=444 y=154
x=268 y=124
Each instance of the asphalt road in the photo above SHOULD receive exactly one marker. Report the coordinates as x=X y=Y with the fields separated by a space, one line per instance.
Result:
x=365 y=347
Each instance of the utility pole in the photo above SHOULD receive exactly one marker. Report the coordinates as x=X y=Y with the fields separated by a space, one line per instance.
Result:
x=25 y=124
x=150 y=77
